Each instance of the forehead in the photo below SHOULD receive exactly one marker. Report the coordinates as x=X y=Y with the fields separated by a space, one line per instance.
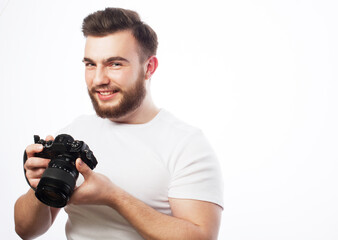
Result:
x=122 y=44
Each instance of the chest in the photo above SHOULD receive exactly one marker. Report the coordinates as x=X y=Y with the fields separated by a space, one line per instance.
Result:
x=135 y=166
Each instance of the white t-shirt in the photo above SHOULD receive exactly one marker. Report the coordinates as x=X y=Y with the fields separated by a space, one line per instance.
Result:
x=153 y=161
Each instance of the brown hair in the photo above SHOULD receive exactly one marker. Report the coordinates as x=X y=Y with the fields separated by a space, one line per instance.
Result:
x=111 y=20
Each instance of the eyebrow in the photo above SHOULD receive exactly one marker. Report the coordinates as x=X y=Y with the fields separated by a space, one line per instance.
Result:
x=108 y=60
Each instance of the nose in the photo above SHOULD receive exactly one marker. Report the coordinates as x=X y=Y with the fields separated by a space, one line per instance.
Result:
x=100 y=77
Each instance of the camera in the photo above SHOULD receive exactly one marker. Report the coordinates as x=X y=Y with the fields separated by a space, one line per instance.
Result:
x=58 y=180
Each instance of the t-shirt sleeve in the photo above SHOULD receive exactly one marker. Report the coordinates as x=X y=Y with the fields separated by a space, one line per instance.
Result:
x=195 y=170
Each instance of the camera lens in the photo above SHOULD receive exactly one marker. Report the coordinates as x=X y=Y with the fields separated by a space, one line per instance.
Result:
x=57 y=182
x=52 y=196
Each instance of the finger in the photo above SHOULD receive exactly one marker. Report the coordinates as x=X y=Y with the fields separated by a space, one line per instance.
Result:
x=83 y=168
x=34 y=182
x=32 y=149
x=36 y=162
x=35 y=174
x=49 y=138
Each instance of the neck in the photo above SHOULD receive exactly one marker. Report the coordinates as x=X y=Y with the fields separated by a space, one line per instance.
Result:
x=143 y=114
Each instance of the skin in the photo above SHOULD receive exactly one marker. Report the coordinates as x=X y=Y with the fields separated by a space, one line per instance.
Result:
x=119 y=73
x=33 y=218
x=191 y=219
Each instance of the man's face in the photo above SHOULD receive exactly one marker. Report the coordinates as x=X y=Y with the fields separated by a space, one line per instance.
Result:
x=114 y=74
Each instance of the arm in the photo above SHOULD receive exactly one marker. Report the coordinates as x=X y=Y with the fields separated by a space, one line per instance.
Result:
x=33 y=218
x=191 y=219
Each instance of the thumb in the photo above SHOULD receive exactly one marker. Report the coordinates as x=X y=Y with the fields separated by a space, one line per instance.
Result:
x=83 y=168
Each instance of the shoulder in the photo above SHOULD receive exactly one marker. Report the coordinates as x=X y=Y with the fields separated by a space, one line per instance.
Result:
x=175 y=126
x=182 y=138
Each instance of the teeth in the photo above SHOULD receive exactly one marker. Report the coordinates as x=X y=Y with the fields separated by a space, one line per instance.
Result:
x=106 y=93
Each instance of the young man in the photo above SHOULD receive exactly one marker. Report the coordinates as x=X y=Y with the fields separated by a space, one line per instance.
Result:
x=157 y=177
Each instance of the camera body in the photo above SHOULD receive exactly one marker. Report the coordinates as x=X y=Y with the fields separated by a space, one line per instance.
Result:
x=59 y=179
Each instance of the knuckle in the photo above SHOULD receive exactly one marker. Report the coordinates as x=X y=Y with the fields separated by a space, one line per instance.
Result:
x=35 y=162
x=28 y=164
x=34 y=174
x=40 y=172
x=49 y=137
x=33 y=148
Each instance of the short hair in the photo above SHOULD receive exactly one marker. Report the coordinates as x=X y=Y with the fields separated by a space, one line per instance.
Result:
x=111 y=20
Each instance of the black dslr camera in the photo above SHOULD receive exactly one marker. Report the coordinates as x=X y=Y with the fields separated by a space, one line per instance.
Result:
x=58 y=180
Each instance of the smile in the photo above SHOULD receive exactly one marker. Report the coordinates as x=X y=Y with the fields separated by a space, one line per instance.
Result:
x=107 y=95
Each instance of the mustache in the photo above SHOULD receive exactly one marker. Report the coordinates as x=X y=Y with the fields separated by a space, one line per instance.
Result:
x=112 y=88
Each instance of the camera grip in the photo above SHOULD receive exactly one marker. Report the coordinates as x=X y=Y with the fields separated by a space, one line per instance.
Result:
x=24 y=161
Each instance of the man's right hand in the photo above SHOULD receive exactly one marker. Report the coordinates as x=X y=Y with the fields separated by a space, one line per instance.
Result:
x=35 y=166
x=32 y=217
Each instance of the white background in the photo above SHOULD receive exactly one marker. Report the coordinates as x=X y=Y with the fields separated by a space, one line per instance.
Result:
x=259 y=77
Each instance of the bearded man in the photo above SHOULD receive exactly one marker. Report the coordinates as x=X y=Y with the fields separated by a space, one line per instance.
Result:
x=157 y=177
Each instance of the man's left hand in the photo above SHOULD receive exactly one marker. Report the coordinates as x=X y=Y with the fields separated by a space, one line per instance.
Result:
x=96 y=188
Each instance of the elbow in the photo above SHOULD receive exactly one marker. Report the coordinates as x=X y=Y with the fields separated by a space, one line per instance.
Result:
x=208 y=237
x=26 y=231
x=26 y=234
x=207 y=234
x=21 y=233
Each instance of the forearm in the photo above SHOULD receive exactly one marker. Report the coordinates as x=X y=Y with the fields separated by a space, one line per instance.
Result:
x=191 y=219
x=153 y=225
x=32 y=218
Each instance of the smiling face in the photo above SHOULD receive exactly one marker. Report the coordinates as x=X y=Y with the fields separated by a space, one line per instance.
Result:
x=114 y=75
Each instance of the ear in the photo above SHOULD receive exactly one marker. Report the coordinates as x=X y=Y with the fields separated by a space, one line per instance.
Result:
x=151 y=66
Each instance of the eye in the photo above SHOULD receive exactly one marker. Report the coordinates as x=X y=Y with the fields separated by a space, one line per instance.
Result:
x=89 y=65
x=115 y=64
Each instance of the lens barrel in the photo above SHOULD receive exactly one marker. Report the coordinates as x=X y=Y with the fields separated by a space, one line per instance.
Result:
x=57 y=182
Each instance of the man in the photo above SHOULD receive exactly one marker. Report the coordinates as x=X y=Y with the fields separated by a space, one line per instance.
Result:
x=157 y=177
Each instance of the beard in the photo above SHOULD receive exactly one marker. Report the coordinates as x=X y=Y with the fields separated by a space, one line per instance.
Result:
x=131 y=99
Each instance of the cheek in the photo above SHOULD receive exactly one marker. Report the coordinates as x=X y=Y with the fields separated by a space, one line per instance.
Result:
x=123 y=78
x=89 y=77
